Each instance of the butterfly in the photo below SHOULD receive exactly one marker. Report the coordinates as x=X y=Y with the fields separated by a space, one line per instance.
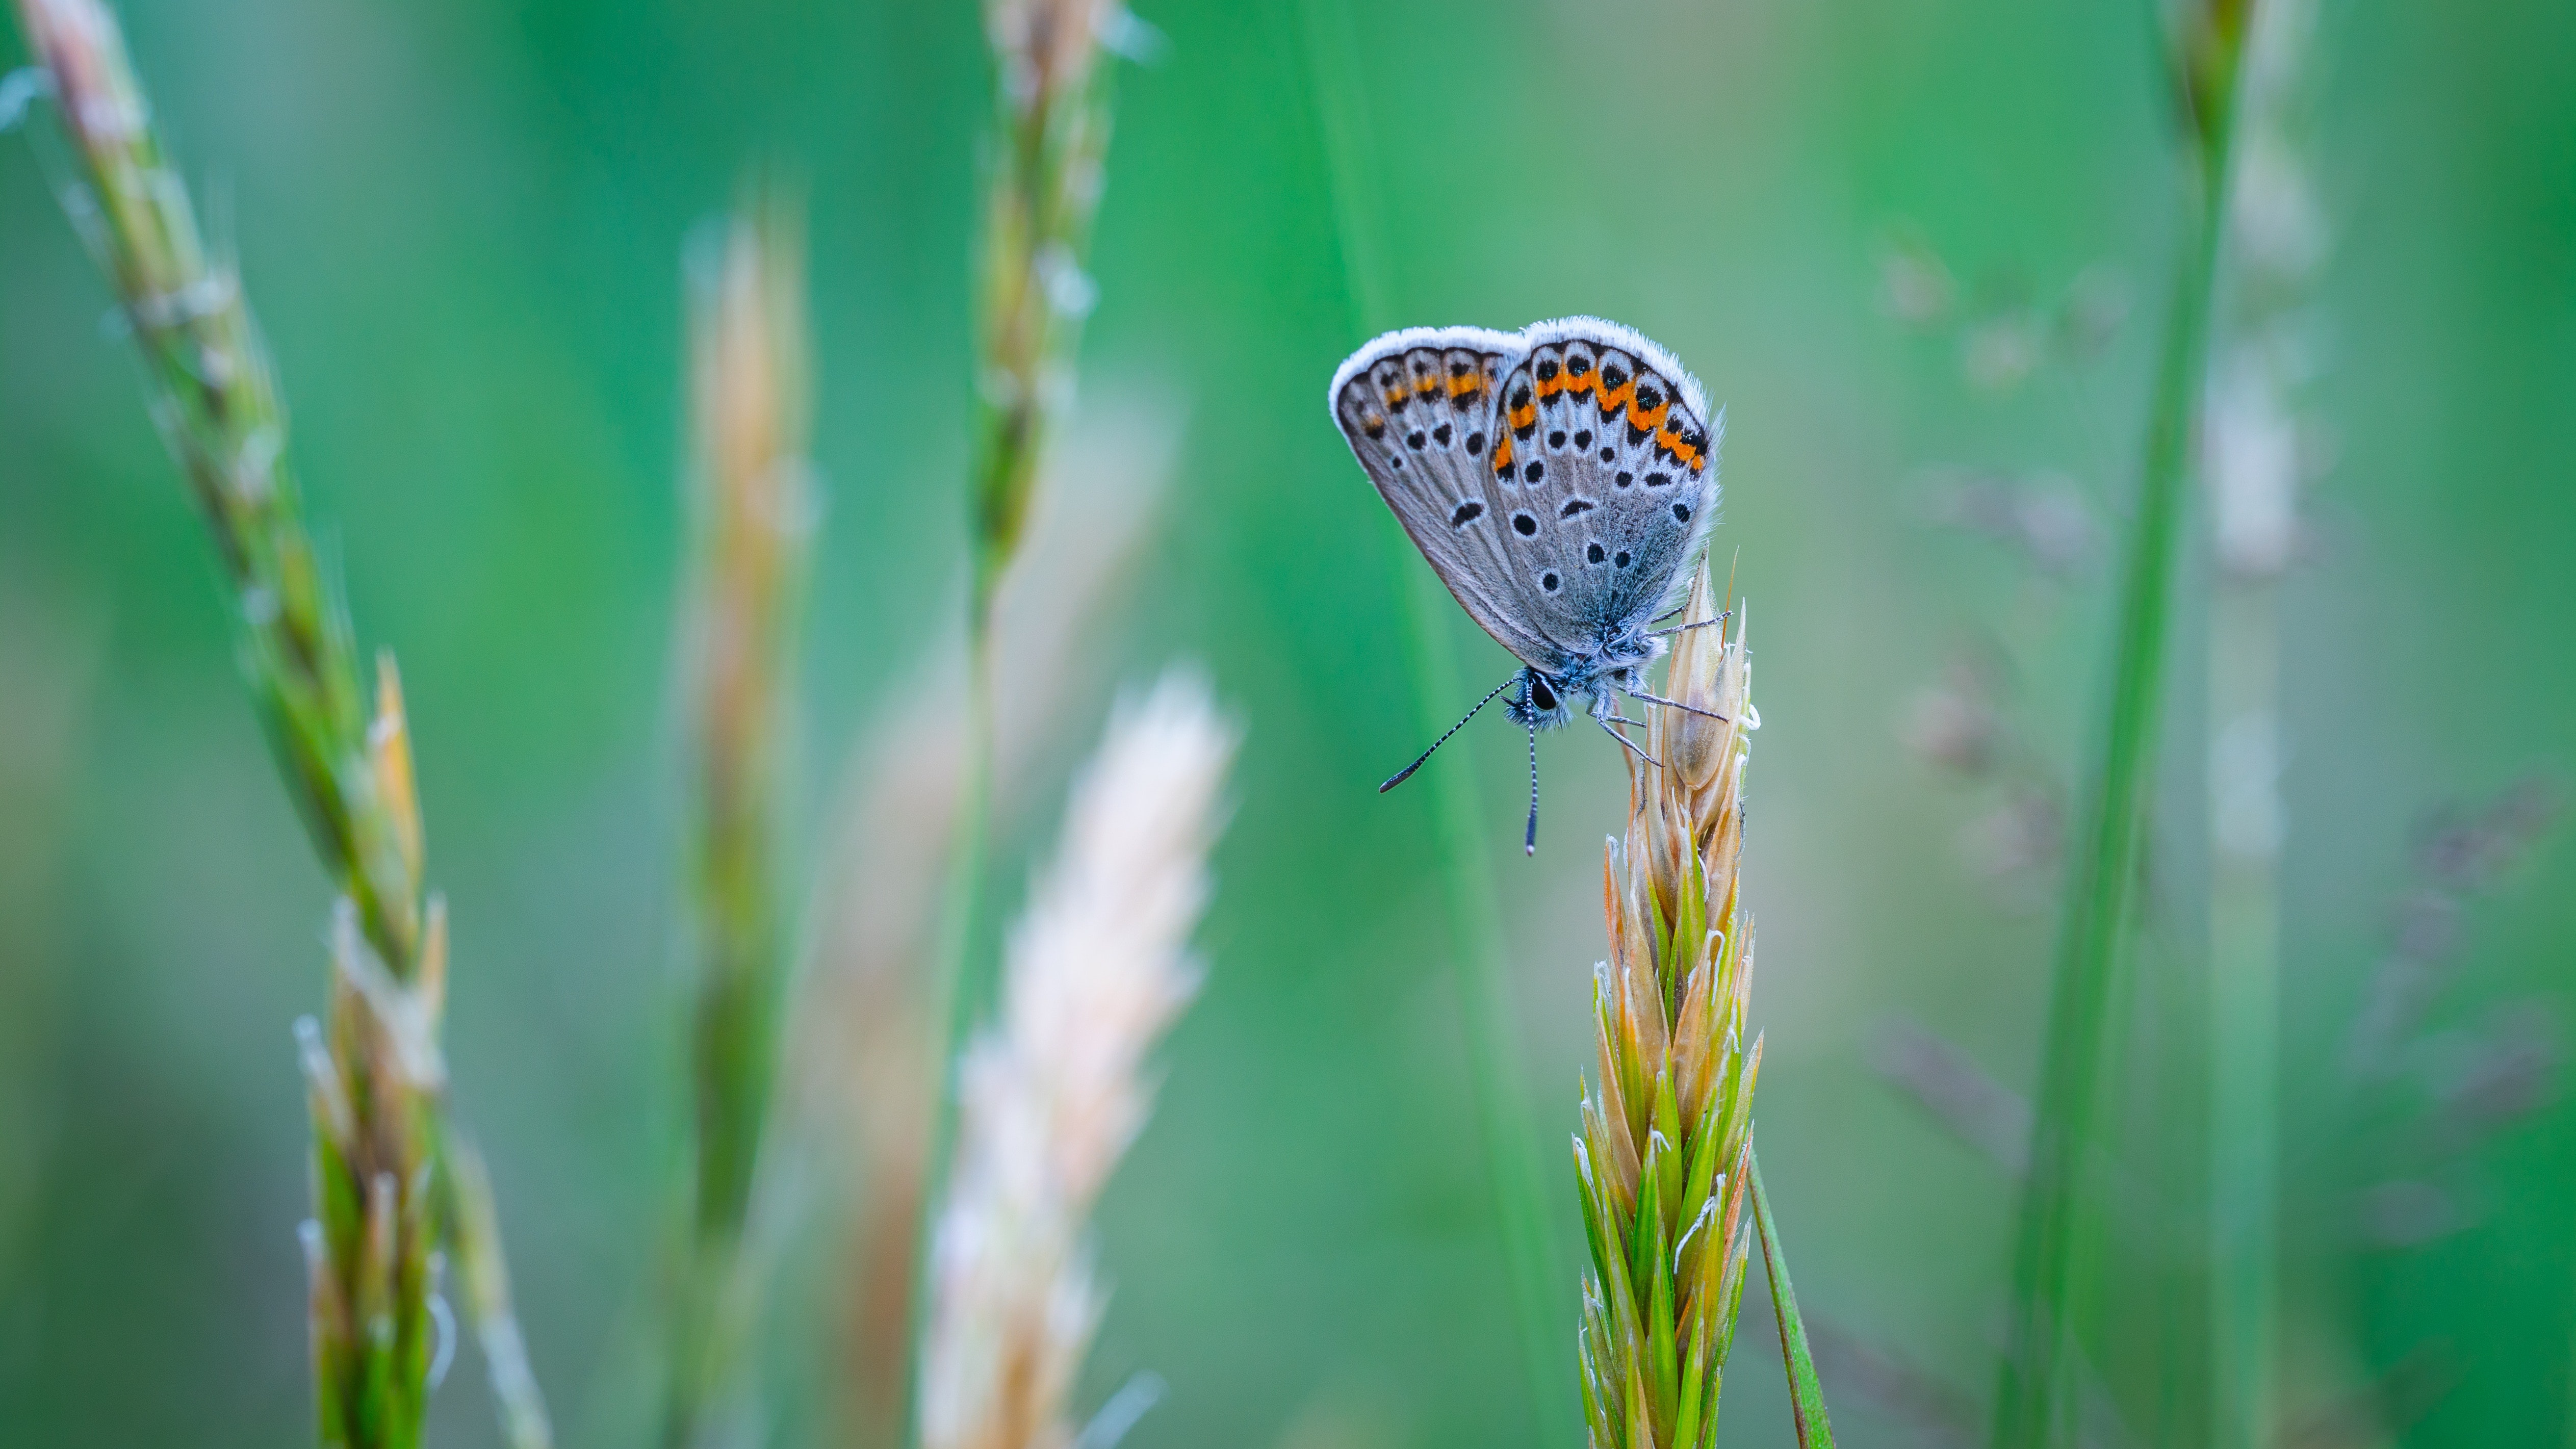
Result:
x=1560 y=480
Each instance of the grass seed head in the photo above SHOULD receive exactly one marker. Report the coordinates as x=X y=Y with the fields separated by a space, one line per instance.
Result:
x=1667 y=1126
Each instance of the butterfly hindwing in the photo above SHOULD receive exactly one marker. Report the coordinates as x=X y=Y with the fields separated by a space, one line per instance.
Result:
x=1607 y=473
x=1418 y=408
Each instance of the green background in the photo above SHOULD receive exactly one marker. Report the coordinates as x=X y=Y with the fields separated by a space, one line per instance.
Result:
x=461 y=225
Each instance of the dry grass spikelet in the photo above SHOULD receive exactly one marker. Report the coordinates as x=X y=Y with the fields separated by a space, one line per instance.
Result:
x=1662 y=1161
x=1053 y=1093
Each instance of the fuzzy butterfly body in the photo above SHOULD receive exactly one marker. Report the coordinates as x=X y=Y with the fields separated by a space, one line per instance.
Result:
x=1558 y=480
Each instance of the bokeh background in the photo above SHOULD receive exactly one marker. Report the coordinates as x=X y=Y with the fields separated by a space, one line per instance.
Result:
x=1916 y=247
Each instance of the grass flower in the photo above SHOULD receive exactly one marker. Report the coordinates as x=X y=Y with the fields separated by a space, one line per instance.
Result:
x=1664 y=1162
x=1054 y=1092
x=748 y=394
x=863 y=1042
x=393 y=1180
x=1051 y=130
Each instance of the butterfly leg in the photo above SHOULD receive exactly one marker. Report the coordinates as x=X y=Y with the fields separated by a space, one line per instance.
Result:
x=1682 y=628
x=1638 y=749
x=1677 y=704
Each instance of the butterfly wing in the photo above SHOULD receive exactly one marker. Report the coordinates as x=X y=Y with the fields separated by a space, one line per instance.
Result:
x=1419 y=410
x=1604 y=477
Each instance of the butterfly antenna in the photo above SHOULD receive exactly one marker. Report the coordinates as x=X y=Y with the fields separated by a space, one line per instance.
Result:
x=1406 y=773
x=1529 y=838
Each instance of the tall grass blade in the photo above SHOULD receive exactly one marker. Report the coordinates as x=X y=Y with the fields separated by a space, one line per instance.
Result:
x=1806 y=1396
x=1459 y=823
x=2254 y=461
x=2101 y=879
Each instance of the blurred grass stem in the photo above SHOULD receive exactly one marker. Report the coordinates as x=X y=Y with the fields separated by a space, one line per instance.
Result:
x=393 y=1180
x=1051 y=122
x=1458 y=820
x=749 y=392
x=2031 y=1404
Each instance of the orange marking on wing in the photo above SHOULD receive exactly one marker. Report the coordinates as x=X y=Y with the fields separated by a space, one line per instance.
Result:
x=1613 y=399
x=1503 y=454
x=1525 y=417
x=1463 y=388
x=1589 y=382
x=1550 y=387
x=1395 y=397
x=1671 y=442
x=1646 y=422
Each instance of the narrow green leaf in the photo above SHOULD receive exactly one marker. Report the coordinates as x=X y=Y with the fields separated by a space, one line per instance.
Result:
x=1686 y=1420
x=1663 y=1353
x=1597 y=1224
x=1806 y=1396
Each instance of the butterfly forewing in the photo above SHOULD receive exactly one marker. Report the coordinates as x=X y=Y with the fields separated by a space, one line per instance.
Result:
x=1606 y=465
x=1419 y=410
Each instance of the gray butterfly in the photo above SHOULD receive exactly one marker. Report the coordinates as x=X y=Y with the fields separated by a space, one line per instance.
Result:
x=1559 y=480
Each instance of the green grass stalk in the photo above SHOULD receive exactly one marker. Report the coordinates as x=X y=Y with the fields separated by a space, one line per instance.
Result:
x=1806 y=1393
x=2031 y=1403
x=749 y=403
x=1053 y=83
x=386 y=1197
x=2254 y=460
x=1459 y=823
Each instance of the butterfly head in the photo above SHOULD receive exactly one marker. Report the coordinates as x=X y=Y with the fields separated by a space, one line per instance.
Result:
x=1540 y=701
